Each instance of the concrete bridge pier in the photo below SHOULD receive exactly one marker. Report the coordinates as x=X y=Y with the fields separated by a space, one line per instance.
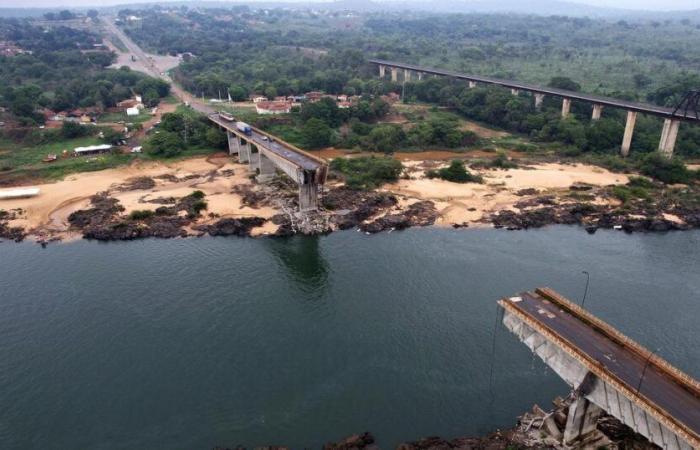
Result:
x=243 y=151
x=472 y=84
x=308 y=196
x=668 y=137
x=565 y=108
x=406 y=75
x=597 y=111
x=539 y=99
x=515 y=92
x=420 y=76
x=234 y=147
x=394 y=74
x=382 y=71
x=629 y=132
x=266 y=169
x=581 y=421
x=253 y=157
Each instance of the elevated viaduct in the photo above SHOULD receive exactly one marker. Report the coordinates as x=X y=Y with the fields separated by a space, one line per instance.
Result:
x=672 y=117
x=607 y=370
x=265 y=153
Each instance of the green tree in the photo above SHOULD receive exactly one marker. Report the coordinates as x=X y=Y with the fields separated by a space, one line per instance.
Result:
x=315 y=133
x=165 y=143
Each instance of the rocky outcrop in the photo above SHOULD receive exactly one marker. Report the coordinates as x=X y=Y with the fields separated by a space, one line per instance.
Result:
x=232 y=227
x=418 y=214
x=16 y=234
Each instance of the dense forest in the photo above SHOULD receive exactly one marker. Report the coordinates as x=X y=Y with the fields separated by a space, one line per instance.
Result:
x=62 y=69
x=281 y=52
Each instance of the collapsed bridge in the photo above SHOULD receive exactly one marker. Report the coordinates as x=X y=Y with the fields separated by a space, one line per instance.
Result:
x=265 y=154
x=607 y=370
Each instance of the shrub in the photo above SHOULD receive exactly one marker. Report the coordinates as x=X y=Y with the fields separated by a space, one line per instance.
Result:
x=664 y=169
x=141 y=214
x=197 y=194
x=367 y=172
x=455 y=172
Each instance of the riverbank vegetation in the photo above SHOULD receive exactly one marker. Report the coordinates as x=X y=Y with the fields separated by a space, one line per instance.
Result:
x=367 y=172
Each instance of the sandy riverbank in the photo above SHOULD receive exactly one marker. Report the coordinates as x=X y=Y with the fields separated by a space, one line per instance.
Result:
x=47 y=214
x=469 y=203
x=218 y=176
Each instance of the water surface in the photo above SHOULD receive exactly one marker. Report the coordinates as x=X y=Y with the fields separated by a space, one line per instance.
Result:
x=192 y=343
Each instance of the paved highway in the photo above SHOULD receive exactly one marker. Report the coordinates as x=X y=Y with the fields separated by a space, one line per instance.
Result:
x=658 y=386
x=607 y=101
x=300 y=159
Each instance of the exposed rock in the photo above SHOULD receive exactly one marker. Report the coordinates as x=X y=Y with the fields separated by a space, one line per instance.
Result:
x=137 y=184
x=16 y=234
x=527 y=191
x=232 y=227
x=419 y=214
x=354 y=442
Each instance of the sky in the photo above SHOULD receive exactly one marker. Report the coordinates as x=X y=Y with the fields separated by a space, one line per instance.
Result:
x=658 y=5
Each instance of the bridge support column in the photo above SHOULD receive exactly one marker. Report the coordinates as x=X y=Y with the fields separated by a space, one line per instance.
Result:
x=233 y=145
x=382 y=71
x=515 y=92
x=420 y=76
x=629 y=132
x=266 y=169
x=308 y=197
x=668 y=137
x=472 y=84
x=581 y=420
x=597 y=111
x=565 y=108
x=394 y=74
x=406 y=75
x=243 y=152
x=539 y=99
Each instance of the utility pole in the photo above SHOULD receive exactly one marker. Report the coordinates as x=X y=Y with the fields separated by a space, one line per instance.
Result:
x=644 y=371
x=588 y=279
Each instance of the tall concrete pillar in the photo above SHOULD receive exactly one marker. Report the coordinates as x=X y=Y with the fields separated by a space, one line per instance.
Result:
x=515 y=92
x=597 y=111
x=539 y=99
x=472 y=84
x=266 y=169
x=406 y=75
x=629 y=132
x=394 y=74
x=233 y=145
x=253 y=157
x=243 y=151
x=420 y=76
x=308 y=197
x=581 y=420
x=382 y=71
x=565 y=108
x=668 y=137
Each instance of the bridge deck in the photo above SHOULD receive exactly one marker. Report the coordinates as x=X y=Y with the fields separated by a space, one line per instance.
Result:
x=670 y=392
x=607 y=101
x=282 y=149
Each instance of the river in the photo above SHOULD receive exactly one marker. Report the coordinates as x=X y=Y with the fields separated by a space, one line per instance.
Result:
x=193 y=343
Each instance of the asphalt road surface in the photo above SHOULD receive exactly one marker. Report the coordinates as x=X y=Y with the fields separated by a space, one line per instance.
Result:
x=657 y=386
